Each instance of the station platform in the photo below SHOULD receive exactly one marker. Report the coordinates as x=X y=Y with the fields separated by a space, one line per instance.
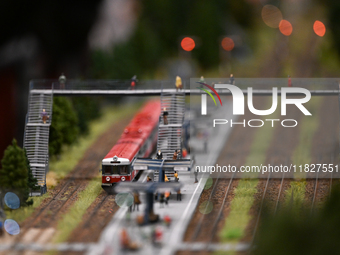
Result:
x=180 y=212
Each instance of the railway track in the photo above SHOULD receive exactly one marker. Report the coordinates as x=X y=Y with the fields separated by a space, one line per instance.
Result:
x=322 y=186
x=45 y=217
x=219 y=199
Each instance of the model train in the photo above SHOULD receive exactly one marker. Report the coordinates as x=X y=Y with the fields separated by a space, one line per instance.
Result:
x=138 y=140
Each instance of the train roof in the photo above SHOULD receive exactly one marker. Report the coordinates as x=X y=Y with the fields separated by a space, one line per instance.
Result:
x=135 y=134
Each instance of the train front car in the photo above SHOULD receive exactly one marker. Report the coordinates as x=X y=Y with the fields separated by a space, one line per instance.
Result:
x=138 y=140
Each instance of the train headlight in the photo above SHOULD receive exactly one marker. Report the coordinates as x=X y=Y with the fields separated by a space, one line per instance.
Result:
x=107 y=179
x=123 y=178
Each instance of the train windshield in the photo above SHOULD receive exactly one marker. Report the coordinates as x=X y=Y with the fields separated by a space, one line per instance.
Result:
x=107 y=169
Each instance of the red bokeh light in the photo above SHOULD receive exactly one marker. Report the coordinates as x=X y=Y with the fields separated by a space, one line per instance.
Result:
x=319 y=28
x=188 y=44
x=227 y=44
x=285 y=27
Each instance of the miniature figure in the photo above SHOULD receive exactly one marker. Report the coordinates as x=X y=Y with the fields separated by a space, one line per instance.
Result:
x=167 y=197
x=157 y=236
x=126 y=243
x=44 y=116
x=133 y=82
x=202 y=79
x=179 y=195
x=184 y=153
x=165 y=116
x=167 y=220
x=196 y=173
x=136 y=200
x=174 y=157
x=62 y=81
x=289 y=81
x=159 y=155
x=179 y=154
x=179 y=84
x=148 y=179
x=176 y=176
x=231 y=79
x=161 y=200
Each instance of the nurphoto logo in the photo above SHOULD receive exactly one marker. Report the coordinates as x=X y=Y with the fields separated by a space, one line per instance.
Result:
x=239 y=103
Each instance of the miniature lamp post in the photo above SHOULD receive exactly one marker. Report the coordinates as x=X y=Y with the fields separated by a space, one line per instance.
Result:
x=62 y=81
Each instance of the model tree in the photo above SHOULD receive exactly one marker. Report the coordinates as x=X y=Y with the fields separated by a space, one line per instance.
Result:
x=14 y=174
x=32 y=181
x=64 y=128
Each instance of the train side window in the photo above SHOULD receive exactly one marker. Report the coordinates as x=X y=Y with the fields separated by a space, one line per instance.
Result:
x=124 y=169
x=115 y=170
x=106 y=169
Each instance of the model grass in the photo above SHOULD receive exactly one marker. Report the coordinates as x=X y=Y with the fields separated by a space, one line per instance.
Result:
x=243 y=200
x=74 y=215
x=302 y=154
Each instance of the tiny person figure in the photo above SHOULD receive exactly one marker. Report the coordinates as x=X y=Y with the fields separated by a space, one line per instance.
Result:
x=167 y=197
x=136 y=200
x=167 y=220
x=179 y=195
x=157 y=236
x=133 y=82
x=196 y=173
x=165 y=116
x=184 y=153
x=159 y=155
x=148 y=179
x=176 y=176
x=202 y=81
x=44 y=116
x=174 y=157
x=62 y=81
x=179 y=155
x=179 y=84
x=205 y=141
x=124 y=239
x=231 y=79
x=289 y=81
x=161 y=200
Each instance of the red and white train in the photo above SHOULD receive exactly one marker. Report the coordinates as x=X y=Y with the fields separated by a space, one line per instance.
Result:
x=138 y=140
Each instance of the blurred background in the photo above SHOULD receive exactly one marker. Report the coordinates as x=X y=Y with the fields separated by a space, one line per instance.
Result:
x=116 y=39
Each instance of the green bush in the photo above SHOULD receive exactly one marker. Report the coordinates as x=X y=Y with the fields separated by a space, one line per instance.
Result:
x=301 y=232
x=14 y=172
x=64 y=128
x=87 y=109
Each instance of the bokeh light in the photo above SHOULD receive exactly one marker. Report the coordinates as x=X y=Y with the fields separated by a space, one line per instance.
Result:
x=124 y=199
x=12 y=227
x=188 y=44
x=271 y=15
x=12 y=200
x=227 y=44
x=209 y=182
x=206 y=207
x=285 y=27
x=319 y=28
